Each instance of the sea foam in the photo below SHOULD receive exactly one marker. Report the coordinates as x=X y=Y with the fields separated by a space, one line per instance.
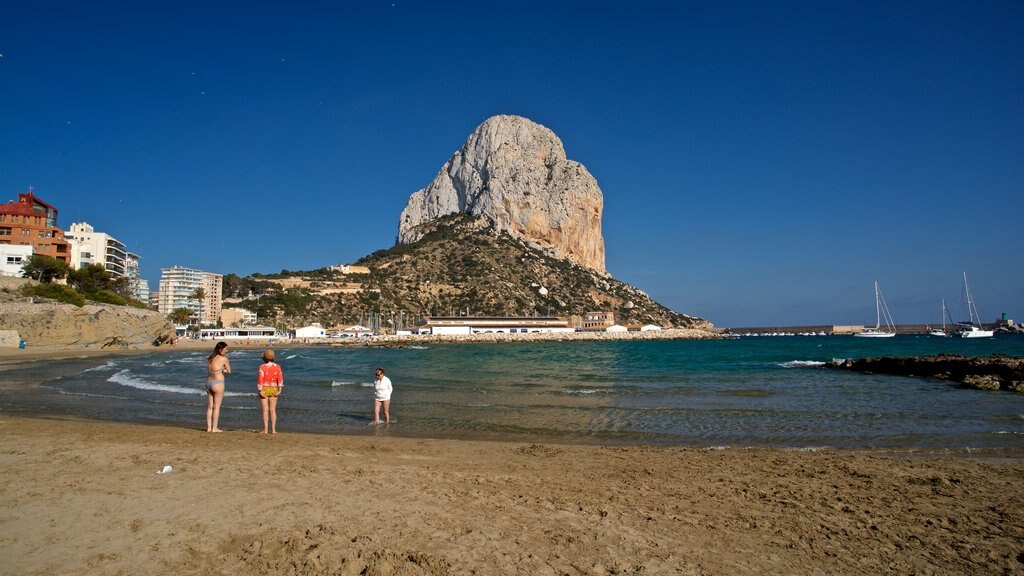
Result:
x=125 y=378
x=801 y=364
x=107 y=366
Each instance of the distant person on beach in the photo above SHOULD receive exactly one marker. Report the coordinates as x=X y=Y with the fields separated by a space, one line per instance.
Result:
x=217 y=365
x=269 y=383
x=381 y=395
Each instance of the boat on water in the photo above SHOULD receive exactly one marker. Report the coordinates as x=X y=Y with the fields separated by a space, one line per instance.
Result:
x=971 y=328
x=941 y=333
x=881 y=313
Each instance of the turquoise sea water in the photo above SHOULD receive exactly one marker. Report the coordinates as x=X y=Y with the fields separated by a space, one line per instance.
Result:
x=767 y=391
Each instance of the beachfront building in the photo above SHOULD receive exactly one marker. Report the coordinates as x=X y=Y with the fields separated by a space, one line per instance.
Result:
x=598 y=320
x=13 y=258
x=348 y=331
x=178 y=286
x=314 y=330
x=237 y=317
x=491 y=325
x=239 y=333
x=31 y=222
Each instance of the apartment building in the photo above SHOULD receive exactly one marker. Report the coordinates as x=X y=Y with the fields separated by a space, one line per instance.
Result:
x=139 y=285
x=177 y=287
x=90 y=247
x=30 y=221
x=237 y=317
x=598 y=320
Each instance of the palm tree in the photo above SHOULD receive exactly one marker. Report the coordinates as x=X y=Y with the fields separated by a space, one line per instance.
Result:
x=198 y=294
x=180 y=316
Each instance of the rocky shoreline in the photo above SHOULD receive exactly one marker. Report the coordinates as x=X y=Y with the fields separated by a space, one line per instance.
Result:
x=995 y=372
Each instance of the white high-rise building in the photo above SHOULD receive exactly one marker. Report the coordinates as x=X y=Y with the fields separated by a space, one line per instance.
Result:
x=90 y=247
x=139 y=285
x=179 y=284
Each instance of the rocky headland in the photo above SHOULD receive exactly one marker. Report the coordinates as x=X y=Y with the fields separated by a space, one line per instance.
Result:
x=508 y=227
x=515 y=173
x=995 y=372
x=47 y=323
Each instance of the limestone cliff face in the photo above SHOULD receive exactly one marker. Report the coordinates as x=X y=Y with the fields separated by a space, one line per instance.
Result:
x=515 y=172
x=92 y=326
x=53 y=324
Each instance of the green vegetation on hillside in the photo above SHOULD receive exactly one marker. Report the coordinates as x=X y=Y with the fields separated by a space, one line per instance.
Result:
x=461 y=266
x=91 y=283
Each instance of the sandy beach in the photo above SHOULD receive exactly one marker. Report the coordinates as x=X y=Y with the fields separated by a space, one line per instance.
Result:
x=85 y=497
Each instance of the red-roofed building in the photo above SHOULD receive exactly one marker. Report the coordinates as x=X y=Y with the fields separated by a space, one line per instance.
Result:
x=30 y=221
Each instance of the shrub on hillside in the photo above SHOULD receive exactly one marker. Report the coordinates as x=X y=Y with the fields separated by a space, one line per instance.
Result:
x=58 y=292
x=106 y=297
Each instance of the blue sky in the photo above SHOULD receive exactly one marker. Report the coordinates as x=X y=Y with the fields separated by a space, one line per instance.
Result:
x=762 y=163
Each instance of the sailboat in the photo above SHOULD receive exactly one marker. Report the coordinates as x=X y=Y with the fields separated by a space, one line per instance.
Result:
x=881 y=312
x=971 y=328
x=936 y=331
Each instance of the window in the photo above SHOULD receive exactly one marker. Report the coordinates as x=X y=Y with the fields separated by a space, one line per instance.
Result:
x=14 y=259
x=4 y=231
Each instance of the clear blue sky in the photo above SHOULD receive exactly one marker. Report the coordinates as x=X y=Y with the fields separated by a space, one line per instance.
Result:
x=762 y=162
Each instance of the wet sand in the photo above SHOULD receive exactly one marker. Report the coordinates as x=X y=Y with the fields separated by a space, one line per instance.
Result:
x=84 y=497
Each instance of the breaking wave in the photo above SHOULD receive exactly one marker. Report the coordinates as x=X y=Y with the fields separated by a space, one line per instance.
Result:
x=125 y=378
x=801 y=363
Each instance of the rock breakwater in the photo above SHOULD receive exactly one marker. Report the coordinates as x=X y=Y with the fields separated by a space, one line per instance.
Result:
x=995 y=372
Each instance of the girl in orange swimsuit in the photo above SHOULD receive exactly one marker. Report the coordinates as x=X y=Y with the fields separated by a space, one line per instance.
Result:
x=269 y=383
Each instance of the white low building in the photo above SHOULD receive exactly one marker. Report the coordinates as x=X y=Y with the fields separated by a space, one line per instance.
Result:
x=246 y=333
x=13 y=258
x=351 y=331
x=617 y=328
x=650 y=328
x=311 y=331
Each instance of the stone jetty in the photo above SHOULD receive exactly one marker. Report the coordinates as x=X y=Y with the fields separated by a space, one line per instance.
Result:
x=995 y=372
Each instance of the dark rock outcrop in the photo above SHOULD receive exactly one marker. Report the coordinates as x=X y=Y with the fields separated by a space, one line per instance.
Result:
x=995 y=372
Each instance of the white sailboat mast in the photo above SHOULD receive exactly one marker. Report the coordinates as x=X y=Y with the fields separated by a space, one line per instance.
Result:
x=878 y=308
x=971 y=310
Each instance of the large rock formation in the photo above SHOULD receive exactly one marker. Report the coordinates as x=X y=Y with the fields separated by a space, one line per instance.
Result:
x=515 y=173
x=93 y=326
x=48 y=323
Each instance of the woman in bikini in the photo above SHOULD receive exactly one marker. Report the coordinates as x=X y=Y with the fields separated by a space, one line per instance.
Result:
x=216 y=367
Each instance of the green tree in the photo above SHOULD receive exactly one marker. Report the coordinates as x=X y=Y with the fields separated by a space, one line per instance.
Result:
x=44 y=269
x=92 y=278
x=198 y=294
x=180 y=316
